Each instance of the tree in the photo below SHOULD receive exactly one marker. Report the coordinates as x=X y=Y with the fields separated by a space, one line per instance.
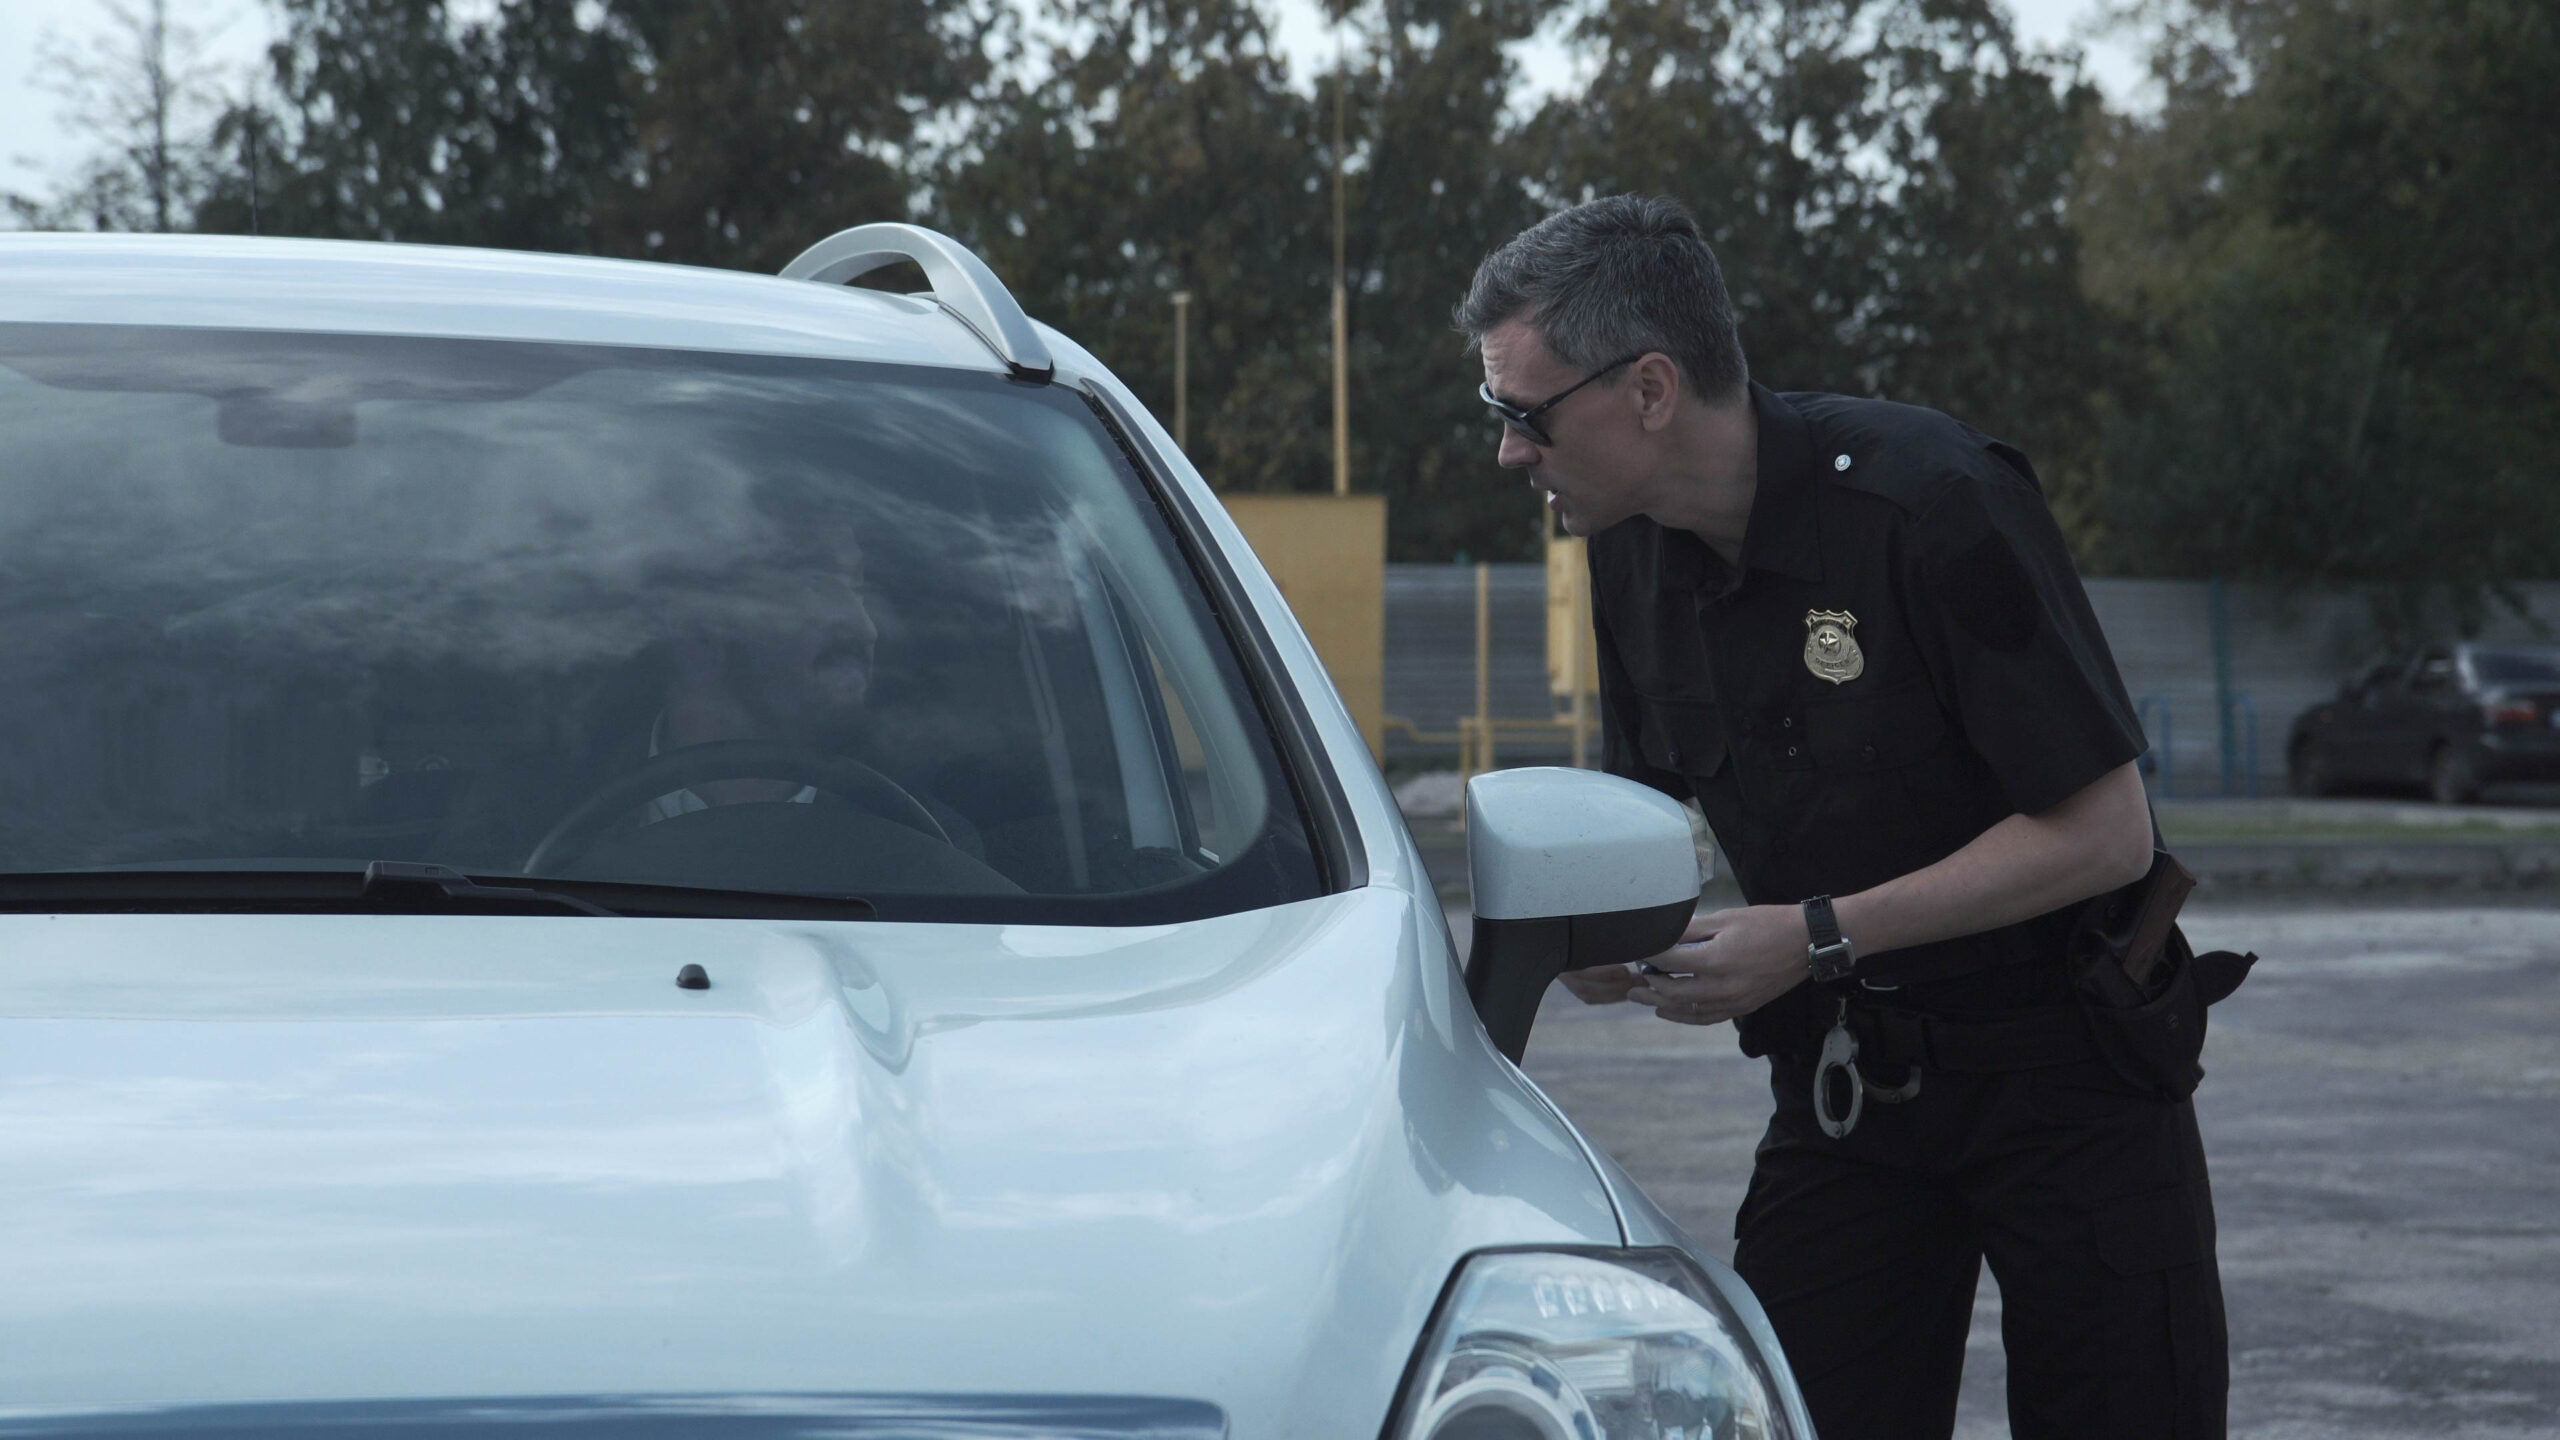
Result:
x=1150 y=146
x=139 y=91
x=2338 y=240
x=1891 y=184
x=393 y=120
x=1431 y=192
x=1163 y=147
x=720 y=132
x=1888 y=185
x=761 y=126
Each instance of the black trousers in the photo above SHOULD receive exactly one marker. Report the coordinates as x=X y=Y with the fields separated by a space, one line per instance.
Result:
x=2090 y=1203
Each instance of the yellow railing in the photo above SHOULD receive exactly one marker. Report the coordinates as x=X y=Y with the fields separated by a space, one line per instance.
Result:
x=1479 y=736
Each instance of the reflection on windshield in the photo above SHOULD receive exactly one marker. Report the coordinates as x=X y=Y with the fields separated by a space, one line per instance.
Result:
x=2516 y=667
x=613 y=614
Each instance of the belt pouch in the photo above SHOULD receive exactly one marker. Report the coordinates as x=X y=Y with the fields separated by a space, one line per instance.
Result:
x=2142 y=991
x=2154 y=1038
x=2151 y=1040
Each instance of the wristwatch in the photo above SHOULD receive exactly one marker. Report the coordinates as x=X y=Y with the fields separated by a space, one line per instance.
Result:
x=1830 y=956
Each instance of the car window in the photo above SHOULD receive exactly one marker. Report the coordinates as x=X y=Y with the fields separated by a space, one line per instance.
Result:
x=295 y=600
x=2516 y=667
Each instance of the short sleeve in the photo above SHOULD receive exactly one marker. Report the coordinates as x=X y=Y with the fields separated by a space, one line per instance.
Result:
x=2014 y=650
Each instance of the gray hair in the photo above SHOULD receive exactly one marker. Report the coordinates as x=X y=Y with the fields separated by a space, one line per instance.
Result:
x=1612 y=278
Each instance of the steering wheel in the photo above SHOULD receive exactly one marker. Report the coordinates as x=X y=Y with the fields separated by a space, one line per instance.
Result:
x=731 y=760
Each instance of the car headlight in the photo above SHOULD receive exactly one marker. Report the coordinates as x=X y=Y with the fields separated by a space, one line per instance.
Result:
x=1566 y=1345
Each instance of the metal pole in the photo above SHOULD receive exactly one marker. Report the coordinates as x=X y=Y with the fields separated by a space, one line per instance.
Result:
x=2248 y=709
x=2164 y=748
x=2222 y=686
x=1182 y=370
x=1579 y=656
x=1342 y=304
x=1484 y=665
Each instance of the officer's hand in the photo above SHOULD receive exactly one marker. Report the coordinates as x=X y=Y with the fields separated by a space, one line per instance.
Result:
x=1601 y=984
x=1726 y=964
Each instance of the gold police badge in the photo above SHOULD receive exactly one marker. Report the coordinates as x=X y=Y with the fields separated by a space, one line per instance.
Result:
x=1831 y=646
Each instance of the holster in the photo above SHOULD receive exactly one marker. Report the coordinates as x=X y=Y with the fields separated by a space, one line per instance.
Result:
x=2142 y=991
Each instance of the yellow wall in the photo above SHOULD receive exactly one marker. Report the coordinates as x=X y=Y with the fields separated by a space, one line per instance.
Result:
x=1329 y=555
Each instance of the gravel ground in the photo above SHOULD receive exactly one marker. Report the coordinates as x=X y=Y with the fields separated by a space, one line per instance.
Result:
x=2380 y=1116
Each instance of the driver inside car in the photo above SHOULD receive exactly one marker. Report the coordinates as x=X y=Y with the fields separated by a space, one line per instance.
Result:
x=792 y=663
x=778 y=650
x=784 y=656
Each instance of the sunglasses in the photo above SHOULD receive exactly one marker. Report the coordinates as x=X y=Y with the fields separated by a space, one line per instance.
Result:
x=1526 y=421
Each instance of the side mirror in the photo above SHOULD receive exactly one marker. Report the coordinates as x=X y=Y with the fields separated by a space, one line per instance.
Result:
x=1570 y=869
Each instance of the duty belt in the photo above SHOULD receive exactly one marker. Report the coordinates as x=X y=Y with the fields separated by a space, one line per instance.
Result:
x=1882 y=1036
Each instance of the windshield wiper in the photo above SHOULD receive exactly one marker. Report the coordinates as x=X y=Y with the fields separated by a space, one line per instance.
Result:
x=400 y=888
x=390 y=879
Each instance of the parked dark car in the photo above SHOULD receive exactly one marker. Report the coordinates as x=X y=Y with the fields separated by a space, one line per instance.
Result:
x=2450 y=718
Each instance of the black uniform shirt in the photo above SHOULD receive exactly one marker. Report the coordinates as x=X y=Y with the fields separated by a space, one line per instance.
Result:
x=1904 y=658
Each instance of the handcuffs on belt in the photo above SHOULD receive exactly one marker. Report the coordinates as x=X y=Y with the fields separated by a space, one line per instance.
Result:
x=1840 y=1052
x=1829 y=959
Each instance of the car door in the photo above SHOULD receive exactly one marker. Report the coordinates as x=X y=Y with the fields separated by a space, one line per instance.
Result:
x=2413 y=715
x=2351 y=743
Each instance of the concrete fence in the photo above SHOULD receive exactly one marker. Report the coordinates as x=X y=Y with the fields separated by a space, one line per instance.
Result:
x=2283 y=655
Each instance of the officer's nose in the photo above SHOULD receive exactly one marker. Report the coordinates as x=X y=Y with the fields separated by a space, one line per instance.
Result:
x=1518 y=451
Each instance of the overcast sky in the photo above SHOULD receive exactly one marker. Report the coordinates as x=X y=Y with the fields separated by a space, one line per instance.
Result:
x=36 y=148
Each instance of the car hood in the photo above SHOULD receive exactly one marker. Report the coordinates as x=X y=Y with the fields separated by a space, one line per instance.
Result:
x=274 y=1158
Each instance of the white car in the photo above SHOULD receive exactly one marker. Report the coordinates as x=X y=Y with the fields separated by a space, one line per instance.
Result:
x=606 y=847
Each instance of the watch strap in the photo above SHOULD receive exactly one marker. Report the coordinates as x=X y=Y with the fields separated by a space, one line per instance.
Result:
x=1821 y=922
x=1828 y=954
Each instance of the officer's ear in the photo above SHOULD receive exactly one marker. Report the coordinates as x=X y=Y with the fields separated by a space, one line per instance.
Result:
x=1655 y=384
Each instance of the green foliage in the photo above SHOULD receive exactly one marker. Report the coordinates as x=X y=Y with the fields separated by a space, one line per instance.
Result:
x=1887 y=185
x=136 y=92
x=1886 y=178
x=391 y=120
x=2302 y=324
x=2338 y=241
x=762 y=125
x=1166 y=149
x=1432 y=191
x=1162 y=149
x=721 y=132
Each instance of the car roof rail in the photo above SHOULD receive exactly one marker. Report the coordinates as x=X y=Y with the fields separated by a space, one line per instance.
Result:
x=962 y=284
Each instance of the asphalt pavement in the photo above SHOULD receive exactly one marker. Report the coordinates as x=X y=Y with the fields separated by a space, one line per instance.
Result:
x=2383 y=1121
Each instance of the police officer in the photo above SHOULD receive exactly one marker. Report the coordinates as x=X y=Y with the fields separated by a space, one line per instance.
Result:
x=1850 y=631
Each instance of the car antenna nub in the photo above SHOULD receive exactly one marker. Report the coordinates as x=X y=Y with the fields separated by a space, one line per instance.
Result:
x=962 y=285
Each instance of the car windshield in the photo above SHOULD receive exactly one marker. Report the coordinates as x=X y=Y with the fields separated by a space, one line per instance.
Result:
x=2516 y=667
x=921 y=636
